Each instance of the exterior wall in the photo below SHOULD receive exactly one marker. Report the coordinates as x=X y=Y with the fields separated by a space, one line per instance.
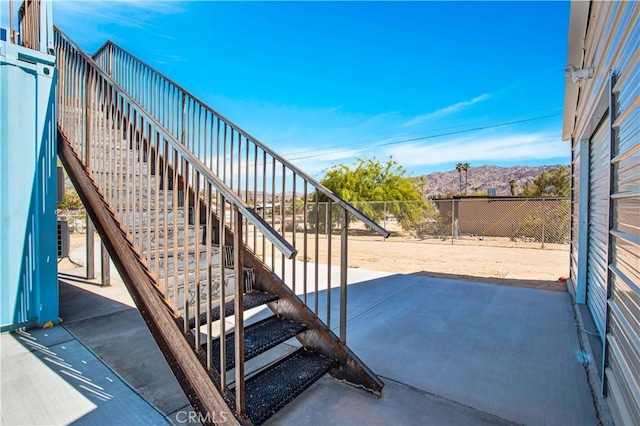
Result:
x=575 y=208
x=612 y=99
x=28 y=227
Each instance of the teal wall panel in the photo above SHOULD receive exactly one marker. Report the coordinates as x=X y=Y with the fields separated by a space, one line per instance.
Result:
x=28 y=226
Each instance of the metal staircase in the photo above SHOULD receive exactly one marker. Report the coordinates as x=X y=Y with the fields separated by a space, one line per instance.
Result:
x=204 y=224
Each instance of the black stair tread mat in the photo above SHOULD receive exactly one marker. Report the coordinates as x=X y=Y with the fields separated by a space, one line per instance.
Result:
x=273 y=388
x=250 y=300
x=258 y=338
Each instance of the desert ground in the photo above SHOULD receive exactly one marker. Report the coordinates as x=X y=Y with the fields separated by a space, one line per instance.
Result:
x=525 y=265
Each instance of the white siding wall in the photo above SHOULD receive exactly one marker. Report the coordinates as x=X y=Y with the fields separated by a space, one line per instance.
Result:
x=575 y=209
x=598 y=230
x=612 y=46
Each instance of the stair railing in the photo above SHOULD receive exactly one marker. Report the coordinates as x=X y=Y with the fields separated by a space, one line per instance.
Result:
x=305 y=212
x=157 y=188
x=35 y=25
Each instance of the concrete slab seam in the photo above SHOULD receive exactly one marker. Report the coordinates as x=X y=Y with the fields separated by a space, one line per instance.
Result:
x=424 y=392
x=385 y=300
x=184 y=409
x=115 y=373
x=74 y=321
x=595 y=383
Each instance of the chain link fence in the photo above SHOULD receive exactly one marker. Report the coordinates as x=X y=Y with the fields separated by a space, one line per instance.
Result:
x=76 y=218
x=500 y=221
x=497 y=221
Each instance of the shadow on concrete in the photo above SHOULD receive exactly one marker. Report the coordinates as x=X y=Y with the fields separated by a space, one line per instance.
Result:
x=78 y=279
x=116 y=333
x=48 y=377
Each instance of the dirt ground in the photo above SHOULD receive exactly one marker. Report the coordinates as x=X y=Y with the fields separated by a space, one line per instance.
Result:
x=515 y=266
x=526 y=266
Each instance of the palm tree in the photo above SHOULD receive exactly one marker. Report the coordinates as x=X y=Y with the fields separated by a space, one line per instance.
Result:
x=466 y=168
x=512 y=186
x=459 y=168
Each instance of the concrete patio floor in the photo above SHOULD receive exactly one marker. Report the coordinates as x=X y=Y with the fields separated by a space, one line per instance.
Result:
x=450 y=353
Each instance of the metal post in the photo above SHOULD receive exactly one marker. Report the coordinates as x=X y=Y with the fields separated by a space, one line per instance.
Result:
x=453 y=218
x=384 y=219
x=91 y=269
x=239 y=314
x=105 y=267
x=327 y=223
x=11 y=35
x=343 y=276
x=543 y=220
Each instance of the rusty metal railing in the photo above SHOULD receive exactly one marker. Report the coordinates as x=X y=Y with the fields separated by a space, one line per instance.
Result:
x=164 y=197
x=285 y=196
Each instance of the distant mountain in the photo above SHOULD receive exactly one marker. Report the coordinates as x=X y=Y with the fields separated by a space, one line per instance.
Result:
x=481 y=178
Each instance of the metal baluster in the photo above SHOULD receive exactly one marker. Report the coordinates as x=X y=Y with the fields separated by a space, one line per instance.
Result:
x=264 y=200
x=282 y=216
x=304 y=245
x=343 y=276
x=293 y=223
x=185 y=255
x=196 y=225
x=273 y=211
x=239 y=315
x=222 y=240
x=208 y=242
x=255 y=194
x=316 y=253
x=329 y=262
x=174 y=225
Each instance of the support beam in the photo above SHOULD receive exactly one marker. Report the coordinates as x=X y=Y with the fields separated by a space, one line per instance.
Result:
x=105 y=266
x=90 y=244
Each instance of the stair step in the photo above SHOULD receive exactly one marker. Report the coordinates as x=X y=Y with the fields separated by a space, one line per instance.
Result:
x=273 y=388
x=229 y=282
x=250 y=300
x=258 y=338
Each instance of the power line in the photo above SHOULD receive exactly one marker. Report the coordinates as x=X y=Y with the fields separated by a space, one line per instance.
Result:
x=475 y=129
x=393 y=113
x=306 y=151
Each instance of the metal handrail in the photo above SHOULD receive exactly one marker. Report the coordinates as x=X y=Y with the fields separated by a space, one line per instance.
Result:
x=297 y=171
x=274 y=237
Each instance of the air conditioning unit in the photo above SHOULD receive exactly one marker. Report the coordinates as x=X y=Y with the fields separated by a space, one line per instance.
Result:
x=63 y=239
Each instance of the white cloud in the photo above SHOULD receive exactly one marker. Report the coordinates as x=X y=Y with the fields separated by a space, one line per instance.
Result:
x=445 y=111
x=90 y=21
x=493 y=148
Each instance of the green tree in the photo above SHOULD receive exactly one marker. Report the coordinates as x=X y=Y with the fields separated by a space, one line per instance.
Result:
x=71 y=200
x=371 y=180
x=553 y=183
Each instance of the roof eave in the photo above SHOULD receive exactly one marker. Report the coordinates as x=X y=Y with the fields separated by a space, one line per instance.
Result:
x=578 y=19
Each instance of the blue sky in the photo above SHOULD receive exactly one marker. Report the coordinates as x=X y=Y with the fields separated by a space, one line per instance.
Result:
x=326 y=82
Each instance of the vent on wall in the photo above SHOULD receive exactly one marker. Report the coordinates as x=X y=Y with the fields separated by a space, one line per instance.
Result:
x=63 y=239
